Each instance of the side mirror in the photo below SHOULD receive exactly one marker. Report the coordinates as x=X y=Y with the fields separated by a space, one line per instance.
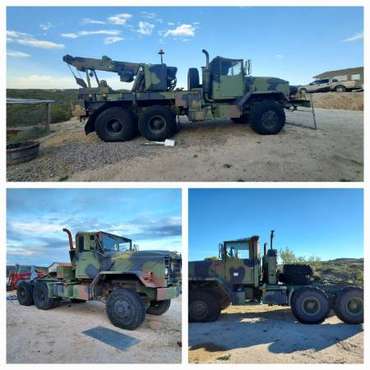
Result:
x=248 y=67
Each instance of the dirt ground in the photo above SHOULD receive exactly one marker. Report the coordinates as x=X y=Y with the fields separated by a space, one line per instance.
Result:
x=217 y=151
x=263 y=334
x=56 y=336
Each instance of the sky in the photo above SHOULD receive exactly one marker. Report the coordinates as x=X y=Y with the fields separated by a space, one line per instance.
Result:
x=325 y=223
x=294 y=43
x=36 y=217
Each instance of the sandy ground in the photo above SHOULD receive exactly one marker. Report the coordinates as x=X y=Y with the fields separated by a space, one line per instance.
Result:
x=55 y=336
x=263 y=334
x=217 y=151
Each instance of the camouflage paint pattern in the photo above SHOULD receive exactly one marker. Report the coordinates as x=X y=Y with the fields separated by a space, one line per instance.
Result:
x=225 y=93
x=156 y=274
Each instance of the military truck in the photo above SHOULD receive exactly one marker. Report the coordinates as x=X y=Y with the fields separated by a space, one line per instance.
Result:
x=109 y=268
x=227 y=91
x=239 y=276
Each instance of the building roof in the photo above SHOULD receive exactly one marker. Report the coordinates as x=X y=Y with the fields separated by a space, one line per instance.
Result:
x=340 y=72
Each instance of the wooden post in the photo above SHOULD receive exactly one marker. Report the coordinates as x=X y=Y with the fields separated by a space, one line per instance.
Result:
x=48 y=120
x=313 y=113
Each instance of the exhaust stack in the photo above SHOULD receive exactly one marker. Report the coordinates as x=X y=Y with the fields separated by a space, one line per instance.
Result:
x=69 y=239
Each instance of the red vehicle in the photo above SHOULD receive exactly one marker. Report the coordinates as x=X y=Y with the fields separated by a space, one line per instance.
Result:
x=22 y=272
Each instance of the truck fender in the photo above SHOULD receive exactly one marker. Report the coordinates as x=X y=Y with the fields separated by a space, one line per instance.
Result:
x=261 y=95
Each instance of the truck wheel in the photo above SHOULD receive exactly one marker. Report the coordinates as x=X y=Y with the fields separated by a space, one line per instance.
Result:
x=125 y=309
x=116 y=124
x=349 y=305
x=340 y=88
x=158 y=307
x=41 y=296
x=24 y=293
x=267 y=117
x=157 y=123
x=203 y=307
x=310 y=305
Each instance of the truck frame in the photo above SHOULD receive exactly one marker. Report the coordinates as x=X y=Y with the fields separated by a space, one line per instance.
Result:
x=109 y=268
x=227 y=91
x=214 y=284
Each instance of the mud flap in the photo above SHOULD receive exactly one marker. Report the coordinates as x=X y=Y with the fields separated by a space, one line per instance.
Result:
x=90 y=125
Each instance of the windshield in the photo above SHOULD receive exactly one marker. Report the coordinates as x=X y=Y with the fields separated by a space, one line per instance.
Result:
x=238 y=249
x=231 y=67
x=113 y=243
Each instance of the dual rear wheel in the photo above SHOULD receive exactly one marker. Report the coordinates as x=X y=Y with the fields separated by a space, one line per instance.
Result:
x=155 y=123
x=312 y=305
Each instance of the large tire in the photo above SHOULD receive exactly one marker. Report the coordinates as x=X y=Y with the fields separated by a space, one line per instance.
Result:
x=203 y=306
x=125 y=309
x=158 y=307
x=116 y=124
x=267 y=117
x=41 y=296
x=193 y=78
x=310 y=305
x=24 y=293
x=157 y=123
x=349 y=305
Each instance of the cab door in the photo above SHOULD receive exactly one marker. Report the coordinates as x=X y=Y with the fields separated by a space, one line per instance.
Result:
x=230 y=83
x=87 y=262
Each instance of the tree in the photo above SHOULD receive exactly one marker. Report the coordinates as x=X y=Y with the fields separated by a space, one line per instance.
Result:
x=287 y=256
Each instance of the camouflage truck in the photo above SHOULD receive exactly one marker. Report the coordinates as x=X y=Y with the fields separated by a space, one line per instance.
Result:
x=109 y=268
x=227 y=91
x=239 y=276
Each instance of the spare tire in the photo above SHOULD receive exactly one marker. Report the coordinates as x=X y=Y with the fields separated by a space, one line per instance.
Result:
x=193 y=78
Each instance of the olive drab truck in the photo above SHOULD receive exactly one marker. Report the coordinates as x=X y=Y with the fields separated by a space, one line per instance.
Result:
x=109 y=268
x=240 y=276
x=226 y=91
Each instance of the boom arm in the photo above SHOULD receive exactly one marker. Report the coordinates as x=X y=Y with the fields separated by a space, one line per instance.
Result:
x=126 y=71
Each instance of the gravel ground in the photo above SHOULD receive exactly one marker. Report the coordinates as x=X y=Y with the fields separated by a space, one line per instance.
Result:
x=56 y=336
x=217 y=151
x=263 y=334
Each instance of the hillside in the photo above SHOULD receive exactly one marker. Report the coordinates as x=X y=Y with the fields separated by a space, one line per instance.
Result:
x=348 y=270
x=28 y=115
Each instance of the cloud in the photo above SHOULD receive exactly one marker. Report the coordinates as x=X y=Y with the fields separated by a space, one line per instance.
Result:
x=28 y=40
x=279 y=56
x=46 y=26
x=357 y=36
x=91 y=21
x=187 y=30
x=75 y=35
x=37 y=81
x=17 y=54
x=145 y=28
x=149 y=15
x=119 y=19
x=112 y=40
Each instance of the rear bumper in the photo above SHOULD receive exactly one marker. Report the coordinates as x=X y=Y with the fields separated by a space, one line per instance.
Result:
x=167 y=293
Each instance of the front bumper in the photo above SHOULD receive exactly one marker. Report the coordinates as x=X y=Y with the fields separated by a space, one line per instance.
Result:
x=167 y=293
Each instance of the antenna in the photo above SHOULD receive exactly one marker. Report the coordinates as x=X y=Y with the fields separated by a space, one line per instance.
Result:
x=161 y=53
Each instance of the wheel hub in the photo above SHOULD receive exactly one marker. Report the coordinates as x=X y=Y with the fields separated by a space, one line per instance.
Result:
x=199 y=308
x=157 y=123
x=270 y=119
x=354 y=306
x=311 y=306
x=122 y=308
x=114 y=126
